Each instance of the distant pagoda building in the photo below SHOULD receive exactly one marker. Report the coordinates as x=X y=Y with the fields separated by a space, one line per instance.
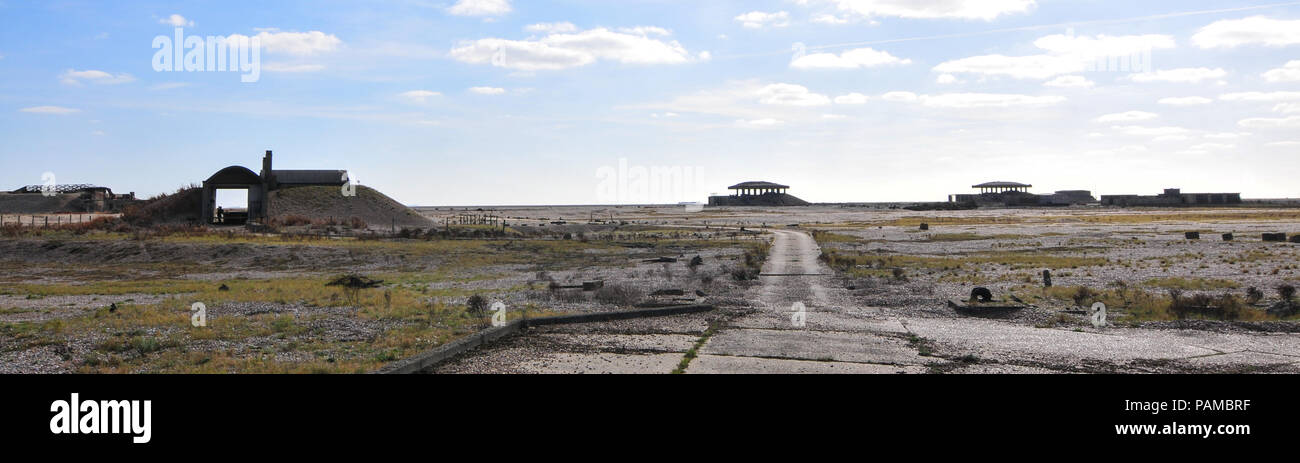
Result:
x=757 y=193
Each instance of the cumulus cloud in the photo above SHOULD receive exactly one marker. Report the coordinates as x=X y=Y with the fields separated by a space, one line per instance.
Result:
x=1270 y=123
x=480 y=8
x=933 y=9
x=567 y=50
x=1290 y=72
x=852 y=59
x=852 y=99
x=760 y=19
x=294 y=43
x=1064 y=54
x=1287 y=108
x=487 y=90
x=419 y=96
x=1260 y=96
x=1142 y=131
x=791 y=95
x=899 y=96
x=1185 y=101
x=1255 y=30
x=1128 y=116
x=75 y=77
x=1180 y=75
x=946 y=79
x=176 y=20
x=986 y=100
x=1069 y=82
x=55 y=110
x=552 y=28
x=759 y=123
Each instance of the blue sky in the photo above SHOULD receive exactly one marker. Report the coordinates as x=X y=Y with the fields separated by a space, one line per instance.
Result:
x=464 y=102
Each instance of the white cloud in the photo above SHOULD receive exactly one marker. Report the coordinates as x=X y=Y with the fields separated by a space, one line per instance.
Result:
x=829 y=19
x=1255 y=30
x=294 y=43
x=899 y=96
x=1141 y=131
x=480 y=8
x=1180 y=75
x=568 y=50
x=1287 y=108
x=1127 y=149
x=1069 y=82
x=1212 y=147
x=1260 y=96
x=419 y=96
x=931 y=9
x=946 y=79
x=646 y=30
x=986 y=100
x=852 y=99
x=1227 y=135
x=1066 y=54
x=551 y=28
x=759 y=123
x=791 y=95
x=1185 y=101
x=1283 y=143
x=1270 y=123
x=487 y=90
x=1290 y=72
x=176 y=20
x=56 y=110
x=1128 y=116
x=759 y=19
x=852 y=59
x=75 y=77
x=283 y=67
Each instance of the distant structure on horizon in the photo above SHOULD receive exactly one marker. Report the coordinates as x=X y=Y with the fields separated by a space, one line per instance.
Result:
x=1017 y=194
x=757 y=193
x=1173 y=197
x=259 y=186
x=65 y=197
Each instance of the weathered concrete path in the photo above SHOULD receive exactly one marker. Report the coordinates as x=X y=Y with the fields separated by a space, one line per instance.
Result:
x=839 y=335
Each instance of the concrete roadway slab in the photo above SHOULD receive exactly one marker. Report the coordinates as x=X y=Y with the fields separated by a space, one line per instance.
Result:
x=717 y=364
x=1245 y=358
x=823 y=321
x=1006 y=341
x=571 y=363
x=813 y=345
x=640 y=342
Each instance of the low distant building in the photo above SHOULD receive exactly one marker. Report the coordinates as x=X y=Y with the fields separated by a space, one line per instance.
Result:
x=1013 y=194
x=757 y=193
x=1173 y=197
x=88 y=198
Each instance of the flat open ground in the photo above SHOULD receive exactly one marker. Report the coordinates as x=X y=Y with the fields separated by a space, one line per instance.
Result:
x=875 y=287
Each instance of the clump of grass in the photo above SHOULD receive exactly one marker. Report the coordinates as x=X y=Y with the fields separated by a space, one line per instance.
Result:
x=1191 y=284
x=619 y=294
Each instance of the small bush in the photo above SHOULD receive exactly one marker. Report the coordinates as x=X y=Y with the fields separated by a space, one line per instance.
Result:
x=619 y=294
x=476 y=305
x=1286 y=292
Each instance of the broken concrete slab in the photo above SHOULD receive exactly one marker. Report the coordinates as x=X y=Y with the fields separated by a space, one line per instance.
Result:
x=716 y=364
x=602 y=363
x=814 y=345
